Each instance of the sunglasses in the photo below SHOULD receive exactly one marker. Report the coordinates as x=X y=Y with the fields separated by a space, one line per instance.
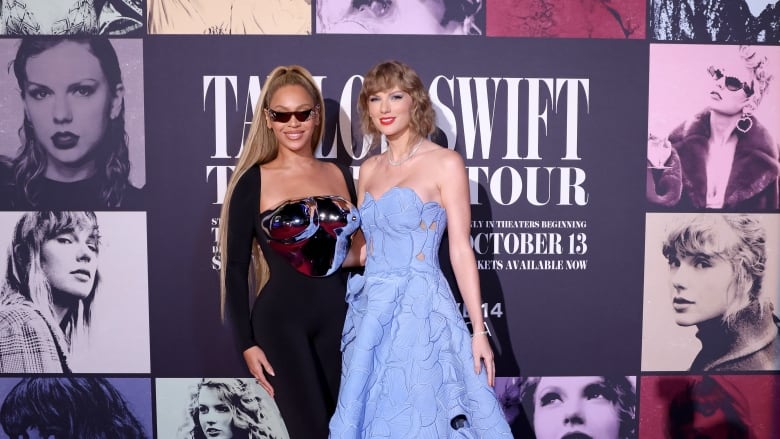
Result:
x=732 y=82
x=285 y=116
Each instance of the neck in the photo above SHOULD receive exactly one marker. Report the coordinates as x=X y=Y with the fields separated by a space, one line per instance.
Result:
x=63 y=304
x=402 y=146
x=287 y=158
x=69 y=174
x=748 y=324
x=722 y=126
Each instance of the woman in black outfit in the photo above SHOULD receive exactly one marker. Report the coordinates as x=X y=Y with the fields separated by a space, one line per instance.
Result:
x=298 y=224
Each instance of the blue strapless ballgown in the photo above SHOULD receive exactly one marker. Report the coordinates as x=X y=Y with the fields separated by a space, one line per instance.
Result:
x=407 y=365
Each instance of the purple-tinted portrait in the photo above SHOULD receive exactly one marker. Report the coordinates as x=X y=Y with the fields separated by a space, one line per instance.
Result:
x=434 y=17
x=66 y=142
x=597 y=407
x=73 y=284
x=75 y=407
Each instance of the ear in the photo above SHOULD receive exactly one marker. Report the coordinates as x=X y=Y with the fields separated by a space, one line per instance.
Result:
x=267 y=118
x=750 y=106
x=117 y=101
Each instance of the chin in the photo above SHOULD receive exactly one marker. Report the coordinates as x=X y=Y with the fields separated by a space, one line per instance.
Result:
x=686 y=322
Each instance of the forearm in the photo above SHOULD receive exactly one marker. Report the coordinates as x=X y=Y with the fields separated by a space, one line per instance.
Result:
x=356 y=257
x=464 y=266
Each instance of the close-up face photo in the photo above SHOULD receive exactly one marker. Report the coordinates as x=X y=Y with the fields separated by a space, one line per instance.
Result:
x=699 y=286
x=293 y=115
x=575 y=407
x=69 y=261
x=390 y=111
x=214 y=414
x=69 y=103
x=732 y=85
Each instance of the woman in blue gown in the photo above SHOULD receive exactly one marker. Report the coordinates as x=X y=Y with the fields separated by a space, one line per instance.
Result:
x=410 y=366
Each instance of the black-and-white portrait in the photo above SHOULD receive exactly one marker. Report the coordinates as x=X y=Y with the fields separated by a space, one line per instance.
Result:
x=71 y=17
x=436 y=17
x=602 y=407
x=224 y=408
x=737 y=21
x=74 y=294
x=710 y=292
x=75 y=407
x=71 y=123
x=230 y=17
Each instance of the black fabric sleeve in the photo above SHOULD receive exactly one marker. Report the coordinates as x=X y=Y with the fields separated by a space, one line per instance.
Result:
x=244 y=207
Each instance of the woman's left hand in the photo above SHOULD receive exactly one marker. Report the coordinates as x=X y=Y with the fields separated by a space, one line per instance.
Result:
x=480 y=347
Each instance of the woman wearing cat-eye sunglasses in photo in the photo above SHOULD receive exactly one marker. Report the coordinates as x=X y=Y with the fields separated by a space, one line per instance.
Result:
x=723 y=158
x=286 y=229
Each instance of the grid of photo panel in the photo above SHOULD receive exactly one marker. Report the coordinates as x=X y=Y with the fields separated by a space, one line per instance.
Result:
x=121 y=122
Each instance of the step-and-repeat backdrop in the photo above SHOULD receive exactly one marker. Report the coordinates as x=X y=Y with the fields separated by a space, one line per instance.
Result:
x=618 y=228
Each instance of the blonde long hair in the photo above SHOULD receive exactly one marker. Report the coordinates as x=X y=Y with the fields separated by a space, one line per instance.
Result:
x=259 y=148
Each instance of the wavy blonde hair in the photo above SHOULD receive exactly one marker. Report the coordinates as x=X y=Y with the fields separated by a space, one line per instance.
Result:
x=261 y=147
x=387 y=75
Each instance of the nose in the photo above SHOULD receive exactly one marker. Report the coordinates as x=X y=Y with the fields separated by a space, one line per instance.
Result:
x=85 y=254
x=62 y=112
x=294 y=122
x=384 y=106
x=678 y=279
x=573 y=414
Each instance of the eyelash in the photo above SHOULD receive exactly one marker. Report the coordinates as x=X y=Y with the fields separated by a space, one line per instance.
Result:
x=39 y=93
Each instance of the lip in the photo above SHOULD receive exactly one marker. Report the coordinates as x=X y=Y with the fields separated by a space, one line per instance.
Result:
x=386 y=120
x=681 y=304
x=213 y=432
x=716 y=95
x=64 y=140
x=576 y=435
x=294 y=135
x=82 y=274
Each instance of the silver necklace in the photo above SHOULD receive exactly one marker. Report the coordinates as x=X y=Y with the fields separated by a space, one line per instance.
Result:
x=407 y=158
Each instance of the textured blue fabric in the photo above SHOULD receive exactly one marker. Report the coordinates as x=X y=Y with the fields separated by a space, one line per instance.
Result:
x=407 y=362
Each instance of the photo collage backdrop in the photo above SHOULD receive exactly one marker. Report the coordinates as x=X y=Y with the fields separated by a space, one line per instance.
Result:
x=602 y=246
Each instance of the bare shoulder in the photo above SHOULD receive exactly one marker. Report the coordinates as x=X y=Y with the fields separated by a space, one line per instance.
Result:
x=447 y=159
x=368 y=165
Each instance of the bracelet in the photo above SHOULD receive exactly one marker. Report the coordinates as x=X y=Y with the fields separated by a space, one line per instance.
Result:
x=485 y=332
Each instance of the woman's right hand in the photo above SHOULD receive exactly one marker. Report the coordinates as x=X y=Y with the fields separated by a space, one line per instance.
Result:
x=658 y=151
x=258 y=365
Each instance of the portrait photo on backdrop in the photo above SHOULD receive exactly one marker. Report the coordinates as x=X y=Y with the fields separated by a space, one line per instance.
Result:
x=717 y=148
x=229 y=17
x=725 y=21
x=225 y=408
x=289 y=220
x=598 y=407
x=435 y=17
x=66 y=139
x=72 y=17
x=566 y=19
x=411 y=367
x=75 y=407
x=711 y=291
x=709 y=406
x=73 y=285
